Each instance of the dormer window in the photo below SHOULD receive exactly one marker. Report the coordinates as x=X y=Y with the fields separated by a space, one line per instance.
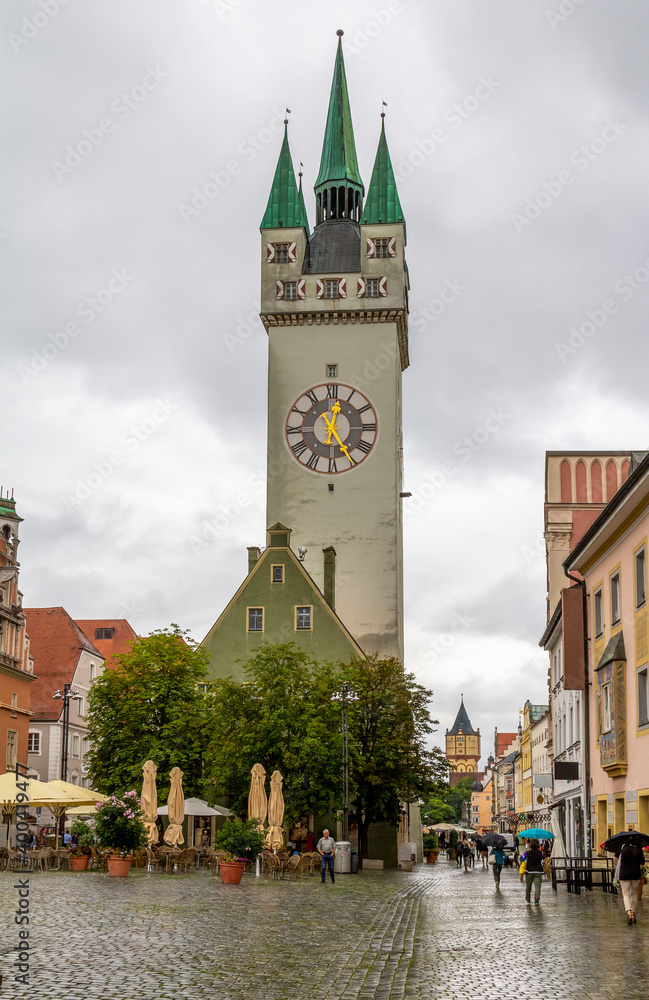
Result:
x=104 y=633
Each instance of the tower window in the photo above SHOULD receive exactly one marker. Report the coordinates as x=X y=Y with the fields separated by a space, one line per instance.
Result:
x=303 y=617
x=104 y=633
x=255 y=619
x=331 y=289
x=332 y=371
x=372 y=288
x=281 y=253
x=382 y=247
x=277 y=574
x=290 y=290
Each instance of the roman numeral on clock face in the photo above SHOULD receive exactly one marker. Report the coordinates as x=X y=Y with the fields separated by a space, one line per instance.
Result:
x=298 y=448
x=332 y=465
x=298 y=430
x=313 y=462
x=364 y=447
x=366 y=427
x=332 y=392
x=301 y=412
x=363 y=408
x=312 y=396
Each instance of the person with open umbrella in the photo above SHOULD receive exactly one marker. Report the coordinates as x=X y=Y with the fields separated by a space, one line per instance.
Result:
x=533 y=871
x=627 y=848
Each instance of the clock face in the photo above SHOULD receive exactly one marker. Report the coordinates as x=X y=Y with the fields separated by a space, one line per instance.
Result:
x=331 y=428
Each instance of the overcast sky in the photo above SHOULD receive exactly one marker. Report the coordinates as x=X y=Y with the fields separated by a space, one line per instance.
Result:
x=140 y=141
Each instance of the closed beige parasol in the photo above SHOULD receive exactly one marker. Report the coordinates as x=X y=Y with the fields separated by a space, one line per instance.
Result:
x=257 y=801
x=176 y=806
x=150 y=800
x=275 y=833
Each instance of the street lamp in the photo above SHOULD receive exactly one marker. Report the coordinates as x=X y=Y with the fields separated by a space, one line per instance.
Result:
x=67 y=696
x=344 y=696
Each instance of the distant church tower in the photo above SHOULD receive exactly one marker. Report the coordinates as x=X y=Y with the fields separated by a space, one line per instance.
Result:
x=462 y=747
x=334 y=303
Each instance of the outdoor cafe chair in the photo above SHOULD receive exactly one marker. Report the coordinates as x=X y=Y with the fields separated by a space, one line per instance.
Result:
x=63 y=858
x=302 y=867
x=14 y=859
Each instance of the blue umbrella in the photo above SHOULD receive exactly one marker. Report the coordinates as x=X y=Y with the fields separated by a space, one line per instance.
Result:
x=536 y=833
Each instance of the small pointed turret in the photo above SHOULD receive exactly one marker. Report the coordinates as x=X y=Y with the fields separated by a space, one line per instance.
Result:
x=285 y=208
x=382 y=205
x=300 y=198
x=339 y=187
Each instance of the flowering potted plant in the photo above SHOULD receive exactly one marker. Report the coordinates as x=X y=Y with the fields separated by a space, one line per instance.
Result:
x=80 y=855
x=240 y=843
x=120 y=830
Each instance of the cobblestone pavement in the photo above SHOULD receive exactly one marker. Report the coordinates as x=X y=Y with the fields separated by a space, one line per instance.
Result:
x=437 y=933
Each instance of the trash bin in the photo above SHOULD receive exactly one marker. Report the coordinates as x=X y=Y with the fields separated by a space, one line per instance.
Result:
x=354 y=863
x=343 y=858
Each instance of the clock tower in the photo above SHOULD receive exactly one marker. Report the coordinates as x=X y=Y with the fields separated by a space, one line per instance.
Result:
x=334 y=303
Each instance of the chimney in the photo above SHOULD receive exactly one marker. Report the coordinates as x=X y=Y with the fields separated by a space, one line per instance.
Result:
x=254 y=552
x=330 y=577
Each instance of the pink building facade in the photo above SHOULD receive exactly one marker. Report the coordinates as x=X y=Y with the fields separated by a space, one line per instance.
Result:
x=612 y=558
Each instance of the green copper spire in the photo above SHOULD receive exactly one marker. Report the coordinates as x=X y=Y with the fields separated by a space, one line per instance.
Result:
x=285 y=208
x=382 y=204
x=300 y=198
x=339 y=186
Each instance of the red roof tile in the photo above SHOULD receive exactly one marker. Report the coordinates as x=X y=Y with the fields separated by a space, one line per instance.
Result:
x=56 y=643
x=123 y=635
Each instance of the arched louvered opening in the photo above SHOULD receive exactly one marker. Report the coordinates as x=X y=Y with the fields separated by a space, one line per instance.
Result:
x=611 y=479
x=566 y=482
x=625 y=470
x=596 y=481
x=582 y=484
x=318 y=209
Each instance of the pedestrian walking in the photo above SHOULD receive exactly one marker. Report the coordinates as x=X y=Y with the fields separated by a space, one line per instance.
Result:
x=459 y=854
x=533 y=872
x=499 y=861
x=327 y=850
x=483 y=852
x=627 y=871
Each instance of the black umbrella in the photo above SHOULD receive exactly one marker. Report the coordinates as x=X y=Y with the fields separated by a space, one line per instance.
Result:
x=494 y=840
x=615 y=842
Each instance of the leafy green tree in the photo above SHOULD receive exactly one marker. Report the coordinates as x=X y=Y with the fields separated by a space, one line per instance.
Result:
x=147 y=706
x=437 y=810
x=389 y=726
x=445 y=805
x=281 y=717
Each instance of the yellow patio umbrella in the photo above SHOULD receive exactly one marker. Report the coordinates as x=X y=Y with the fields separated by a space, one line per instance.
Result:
x=257 y=801
x=76 y=791
x=176 y=807
x=39 y=793
x=275 y=833
x=150 y=800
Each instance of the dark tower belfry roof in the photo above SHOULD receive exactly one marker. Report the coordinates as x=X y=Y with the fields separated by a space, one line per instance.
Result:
x=285 y=208
x=462 y=722
x=382 y=204
x=338 y=163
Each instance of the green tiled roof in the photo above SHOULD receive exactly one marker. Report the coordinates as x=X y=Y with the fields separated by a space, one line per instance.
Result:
x=338 y=161
x=382 y=204
x=285 y=207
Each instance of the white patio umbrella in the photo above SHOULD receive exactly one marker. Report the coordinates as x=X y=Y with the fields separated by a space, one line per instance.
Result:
x=558 y=847
x=275 y=832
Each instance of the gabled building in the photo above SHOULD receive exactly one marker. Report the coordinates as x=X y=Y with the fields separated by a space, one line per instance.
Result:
x=110 y=636
x=16 y=662
x=279 y=602
x=65 y=660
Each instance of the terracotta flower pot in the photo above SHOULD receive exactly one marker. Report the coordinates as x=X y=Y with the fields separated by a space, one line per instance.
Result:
x=431 y=857
x=231 y=872
x=119 y=866
x=79 y=863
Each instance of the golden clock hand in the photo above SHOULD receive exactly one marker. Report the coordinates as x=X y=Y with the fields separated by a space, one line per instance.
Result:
x=331 y=426
x=343 y=447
